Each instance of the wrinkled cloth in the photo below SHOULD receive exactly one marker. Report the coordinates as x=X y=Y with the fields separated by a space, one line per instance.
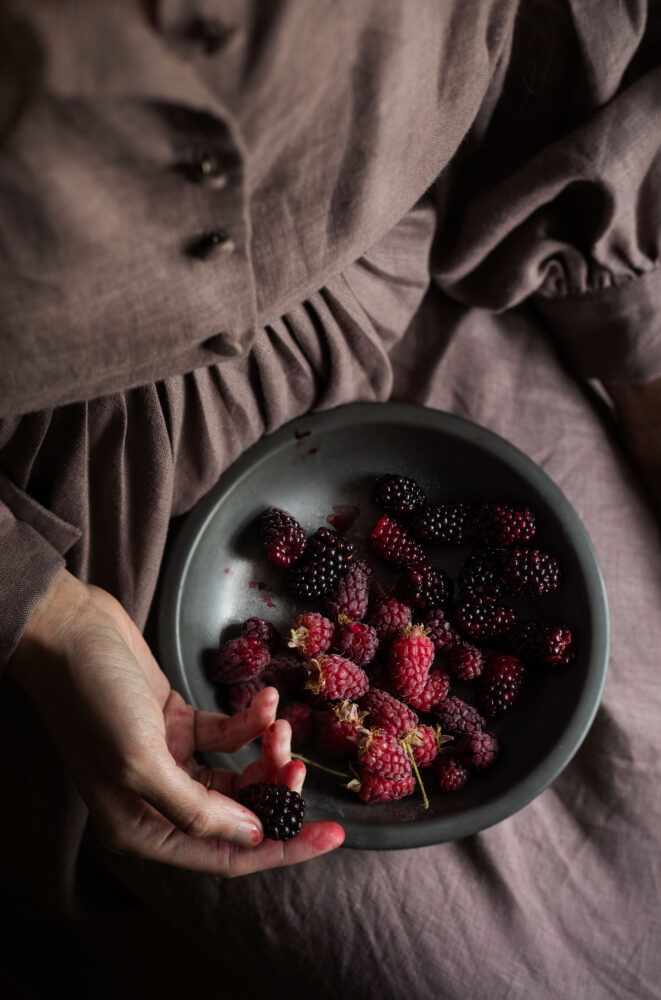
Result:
x=439 y=206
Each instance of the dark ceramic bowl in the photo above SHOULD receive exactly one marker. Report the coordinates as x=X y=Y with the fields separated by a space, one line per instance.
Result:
x=217 y=577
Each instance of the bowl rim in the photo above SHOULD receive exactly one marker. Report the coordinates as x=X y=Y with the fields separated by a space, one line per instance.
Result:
x=434 y=829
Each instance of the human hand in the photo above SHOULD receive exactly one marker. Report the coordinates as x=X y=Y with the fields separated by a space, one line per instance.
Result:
x=129 y=741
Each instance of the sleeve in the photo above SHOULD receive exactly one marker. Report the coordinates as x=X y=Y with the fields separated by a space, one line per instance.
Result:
x=554 y=204
x=34 y=544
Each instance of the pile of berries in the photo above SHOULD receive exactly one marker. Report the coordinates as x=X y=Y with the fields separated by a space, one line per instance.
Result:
x=400 y=680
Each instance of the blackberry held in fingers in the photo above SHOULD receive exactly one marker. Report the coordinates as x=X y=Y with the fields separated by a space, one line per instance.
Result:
x=280 y=810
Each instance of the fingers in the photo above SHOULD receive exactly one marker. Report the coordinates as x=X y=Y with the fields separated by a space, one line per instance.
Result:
x=227 y=734
x=276 y=753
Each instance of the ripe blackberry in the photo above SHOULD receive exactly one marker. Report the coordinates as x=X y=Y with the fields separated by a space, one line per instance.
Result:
x=477 y=750
x=311 y=634
x=239 y=659
x=452 y=774
x=531 y=572
x=317 y=574
x=481 y=572
x=384 y=711
x=425 y=587
x=539 y=642
x=482 y=618
x=395 y=545
x=439 y=630
x=280 y=810
x=399 y=496
x=387 y=615
x=301 y=719
x=260 y=629
x=355 y=640
x=284 y=538
x=443 y=524
x=465 y=662
x=503 y=524
x=500 y=683
x=351 y=594
x=457 y=718
x=434 y=692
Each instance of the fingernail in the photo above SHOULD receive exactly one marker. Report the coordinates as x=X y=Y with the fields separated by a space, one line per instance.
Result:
x=246 y=835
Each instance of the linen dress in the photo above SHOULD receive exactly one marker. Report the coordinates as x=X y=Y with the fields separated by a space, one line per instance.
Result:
x=216 y=217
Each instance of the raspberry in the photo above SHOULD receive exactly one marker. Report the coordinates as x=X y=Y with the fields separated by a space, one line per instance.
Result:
x=285 y=672
x=451 y=773
x=465 y=662
x=433 y=693
x=424 y=744
x=539 y=642
x=384 y=711
x=355 y=640
x=372 y=788
x=380 y=753
x=411 y=655
x=500 y=683
x=334 y=678
x=326 y=558
x=301 y=719
x=457 y=718
x=480 y=574
x=280 y=809
x=443 y=524
x=240 y=695
x=425 y=587
x=477 y=750
x=395 y=546
x=531 y=572
x=239 y=659
x=502 y=524
x=311 y=634
x=399 y=496
x=283 y=537
x=339 y=729
x=482 y=618
x=439 y=630
x=260 y=629
x=387 y=616
x=351 y=595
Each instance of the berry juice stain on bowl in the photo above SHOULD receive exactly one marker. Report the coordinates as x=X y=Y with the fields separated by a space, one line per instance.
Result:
x=524 y=607
x=343 y=517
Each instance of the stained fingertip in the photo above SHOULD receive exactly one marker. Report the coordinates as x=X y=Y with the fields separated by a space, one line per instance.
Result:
x=325 y=836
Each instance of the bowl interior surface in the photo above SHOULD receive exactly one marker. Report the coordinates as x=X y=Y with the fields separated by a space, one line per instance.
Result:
x=322 y=466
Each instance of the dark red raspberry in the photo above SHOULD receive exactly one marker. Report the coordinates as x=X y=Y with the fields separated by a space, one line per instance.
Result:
x=443 y=524
x=239 y=696
x=423 y=741
x=339 y=729
x=451 y=773
x=465 y=661
x=317 y=575
x=380 y=753
x=387 y=616
x=384 y=711
x=355 y=640
x=439 y=630
x=301 y=719
x=260 y=629
x=434 y=692
x=503 y=524
x=311 y=634
x=280 y=810
x=334 y=678
x=482 y=618
x=283 y=537
x=477 y=750
x=539 y=642
x=500 y=683
x=286 y=673
x=411 y=655
x=481 y=572
x=425 y=587
x=351 y=595
x=239 y=659
x=457 y=718
x=531 y=572
x=395 y=546
x=399 y=496
x=373 y=789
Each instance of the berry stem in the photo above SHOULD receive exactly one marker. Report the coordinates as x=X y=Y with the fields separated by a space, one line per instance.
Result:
x=306 y=760
x=417 y=774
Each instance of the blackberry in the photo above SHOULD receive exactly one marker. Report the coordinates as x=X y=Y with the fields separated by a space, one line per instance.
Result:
x=399 y=496
x=280 y=809
x=443 y=524
x=239 y=659
x=457 y=718
x=539 y=642
x=387 y=616
x=387 y=712
x=502 y=524
x=500 y=683
x=465 y=662
x=481 y=572
x=351 y=595
x=260 y=629
x=452 y=774
x=395 y=545
x=318 y=573
x=439 y=630
x=531 y=572
x=425 y=587
x=478 y=750
x=481 y=618
x=284 y=538
x=355 y=640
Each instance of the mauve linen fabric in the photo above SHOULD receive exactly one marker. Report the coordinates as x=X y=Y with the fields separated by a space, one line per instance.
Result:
x=444 y=203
